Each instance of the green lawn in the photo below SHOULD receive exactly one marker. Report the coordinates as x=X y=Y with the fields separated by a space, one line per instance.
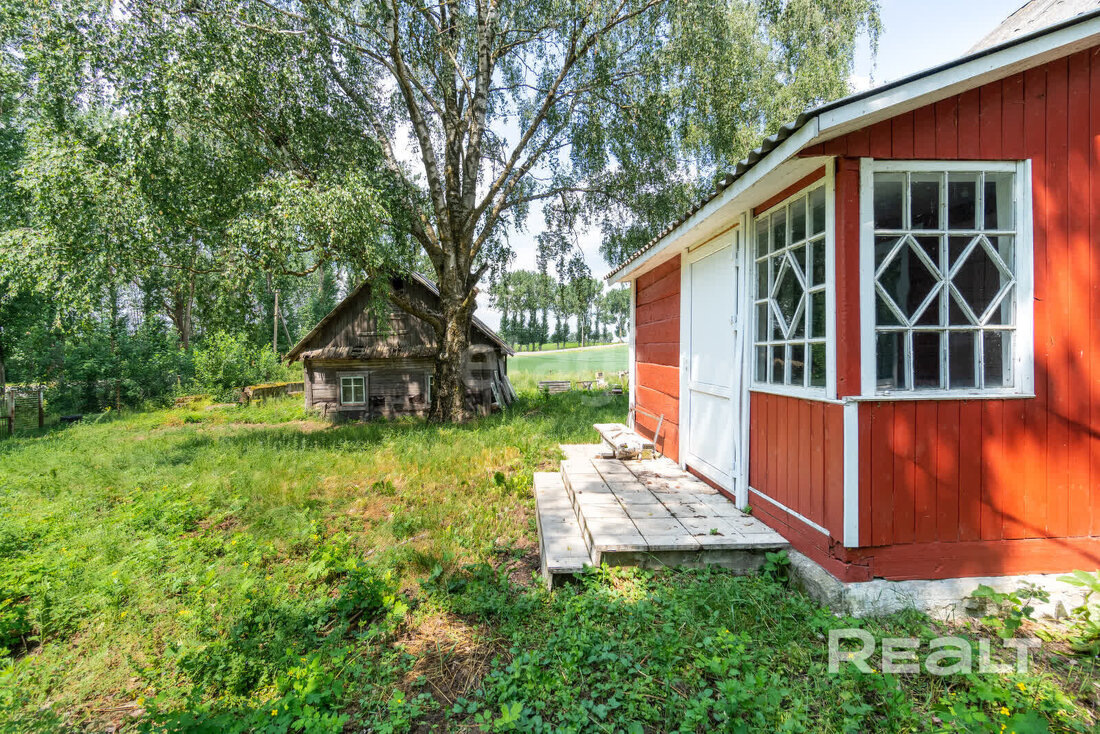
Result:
x=526 y=368
x=254 y=569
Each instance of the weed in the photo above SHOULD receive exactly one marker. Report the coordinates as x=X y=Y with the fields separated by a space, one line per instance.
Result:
x=1009 y=609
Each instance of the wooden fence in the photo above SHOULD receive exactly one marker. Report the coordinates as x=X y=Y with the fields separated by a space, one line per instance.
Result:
x=23 y=409
x=275 y=389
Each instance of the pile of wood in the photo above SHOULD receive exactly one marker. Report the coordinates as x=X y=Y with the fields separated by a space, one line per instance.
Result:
x=274 y=389
x=552 y=387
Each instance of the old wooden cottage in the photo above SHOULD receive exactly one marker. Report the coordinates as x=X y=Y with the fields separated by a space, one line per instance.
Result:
x=882 y=331
x=359 y=365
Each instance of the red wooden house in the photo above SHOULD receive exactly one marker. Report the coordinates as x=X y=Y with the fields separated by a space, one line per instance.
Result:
x=882 y=331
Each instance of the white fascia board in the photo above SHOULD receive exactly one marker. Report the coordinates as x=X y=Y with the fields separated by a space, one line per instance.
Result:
x=682 y=235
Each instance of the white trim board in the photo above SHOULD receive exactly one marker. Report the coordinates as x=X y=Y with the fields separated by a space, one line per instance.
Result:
x=791 y=512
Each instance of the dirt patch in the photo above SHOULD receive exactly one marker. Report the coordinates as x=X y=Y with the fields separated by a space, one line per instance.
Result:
x=452 y=657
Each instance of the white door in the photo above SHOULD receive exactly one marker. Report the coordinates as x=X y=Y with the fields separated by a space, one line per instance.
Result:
x=713 y=369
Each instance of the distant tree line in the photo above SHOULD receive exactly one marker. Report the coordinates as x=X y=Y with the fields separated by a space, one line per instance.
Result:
x=537 y=309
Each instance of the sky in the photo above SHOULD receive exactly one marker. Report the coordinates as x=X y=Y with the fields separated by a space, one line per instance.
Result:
x=916 y=35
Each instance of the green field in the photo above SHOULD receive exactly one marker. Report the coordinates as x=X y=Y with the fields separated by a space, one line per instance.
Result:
x=525 y=369
x=216 y=568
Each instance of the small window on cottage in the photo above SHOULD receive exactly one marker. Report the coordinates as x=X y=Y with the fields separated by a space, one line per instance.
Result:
x=790 y=314
x=353 y=390
x=946 y=280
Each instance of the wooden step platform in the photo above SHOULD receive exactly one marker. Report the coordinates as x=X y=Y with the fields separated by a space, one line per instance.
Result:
x=640 y=513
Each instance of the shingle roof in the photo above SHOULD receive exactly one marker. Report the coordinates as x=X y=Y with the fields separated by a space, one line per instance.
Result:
x=1035 y=16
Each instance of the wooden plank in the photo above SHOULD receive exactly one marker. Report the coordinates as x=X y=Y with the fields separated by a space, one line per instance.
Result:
x=924 y=132
x=1078 y=291
x=753 y=428
x=925 y=462
x=995 y=484
x=904 y=471
x=652 y=276
x=859 y=143
x=990 y=121
x=969 y=124
x=782 y=448
x=816 y=465
x=1094 y=291
x=665 y=308
x=661 y=353
x=1034 y=135
x=881 y=140
x=806 y=504
x=660 y=377
x=902 y=135
x=658 y=332
x=947 y=128
x=669 y=285
x=772 y=489
x=1012 y=117
x=1057 y=247
x=657 y=402
x=970 y=470
x=882 y=474
x=1016 y=457
x=833 y=416
x=847 y=278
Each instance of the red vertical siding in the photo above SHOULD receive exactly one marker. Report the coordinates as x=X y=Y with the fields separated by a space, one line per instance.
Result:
x=953 y=488
x=796 y=450
x=657 y=355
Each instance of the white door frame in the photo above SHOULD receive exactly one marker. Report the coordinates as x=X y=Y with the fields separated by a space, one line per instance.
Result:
x=736 y=482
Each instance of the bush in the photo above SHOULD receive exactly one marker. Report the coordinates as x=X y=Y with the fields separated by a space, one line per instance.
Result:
x=226 y=362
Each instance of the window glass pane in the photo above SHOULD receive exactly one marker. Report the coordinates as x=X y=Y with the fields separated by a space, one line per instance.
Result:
x=924 y=197
x=962 y=200
x=762 y=364
x=778 y=334
x=778 y=362
x=798 y=220
x=926 y=359
x=762 y=321
x=884 y=314
x=889 y=198
x=798 y=330
x=817 y=365
x=779 y=230
x=817 y=314
x=762 y=237
x=788 y=292
x=999 y=196
x=799 y=254
x=890 y=360
x=997 y=353
x=956 y=314
x=907 y=280
x=979 y=280
x=762 y=289
x=798 y=364
x=930 y=316
x=1005 y=247
x=883 y=247
x=956 y=246
x=817 y=257
x=1003 y=313
x=931 y=247
x=817 y=210
x=962 y=360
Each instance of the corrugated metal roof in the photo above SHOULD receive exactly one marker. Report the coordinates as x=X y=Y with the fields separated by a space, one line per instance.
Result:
x=1035 y=16
x=790 y=129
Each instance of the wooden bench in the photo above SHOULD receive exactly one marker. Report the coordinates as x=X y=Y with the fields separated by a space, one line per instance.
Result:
x=551 y=387
x=625 y=443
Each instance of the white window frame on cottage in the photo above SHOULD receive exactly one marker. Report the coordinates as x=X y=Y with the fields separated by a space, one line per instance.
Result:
x=1019 y=287
x=349 y=379
x=823 y=285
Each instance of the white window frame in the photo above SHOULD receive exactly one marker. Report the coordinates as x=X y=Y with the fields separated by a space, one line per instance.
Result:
x=340 y=389
x=828 y=392
x=1023 y=361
